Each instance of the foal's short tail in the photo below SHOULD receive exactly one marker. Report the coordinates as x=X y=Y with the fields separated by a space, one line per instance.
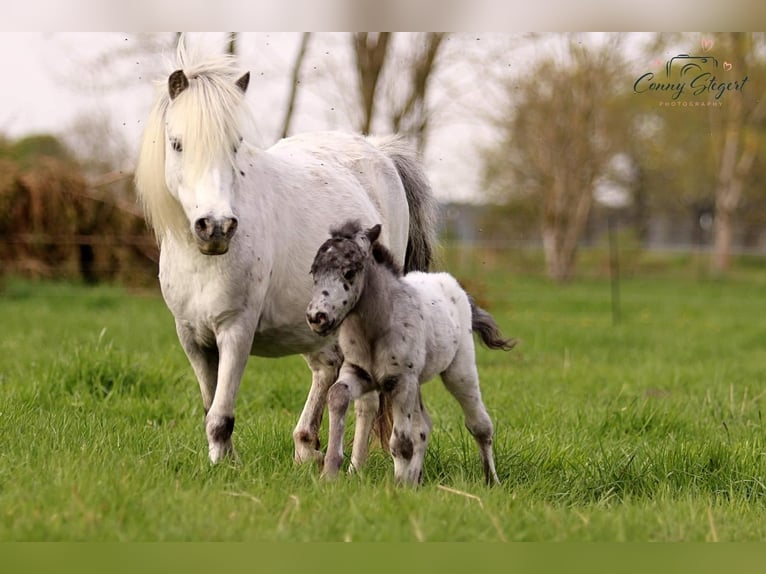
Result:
x=484 y=324
x=421 y=240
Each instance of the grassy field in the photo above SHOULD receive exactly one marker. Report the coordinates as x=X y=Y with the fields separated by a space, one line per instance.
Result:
x=650 y=430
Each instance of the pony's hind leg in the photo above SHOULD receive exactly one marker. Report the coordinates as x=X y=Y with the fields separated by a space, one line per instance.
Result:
x=462 y=380
x=324 y=366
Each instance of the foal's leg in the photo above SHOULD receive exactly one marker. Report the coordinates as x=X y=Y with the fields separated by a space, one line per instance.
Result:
x=366 y=409
x=404 y=400
x=462 y=380
x=324 y=367
x=421 y=431
x=351 y=385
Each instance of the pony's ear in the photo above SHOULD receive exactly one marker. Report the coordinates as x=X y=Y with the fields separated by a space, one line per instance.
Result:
x=177 y=83
x=243 y=82
x=373 y=233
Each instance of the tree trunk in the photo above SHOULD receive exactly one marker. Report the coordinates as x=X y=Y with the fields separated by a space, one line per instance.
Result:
x=722 y=229
x=231 y=47
x=554 y=256
x=566 y=209
x=412 y=117
x=738 y=153
x=296 y=80
x=370 y=53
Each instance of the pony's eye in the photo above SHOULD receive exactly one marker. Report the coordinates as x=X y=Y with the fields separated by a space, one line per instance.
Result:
x=349 y=275
x=176 y=145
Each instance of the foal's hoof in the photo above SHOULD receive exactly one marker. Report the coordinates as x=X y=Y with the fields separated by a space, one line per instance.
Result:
x=492 y=481
x=330 y=473
x=304 y=456
x=217 y=452
x=332 y=464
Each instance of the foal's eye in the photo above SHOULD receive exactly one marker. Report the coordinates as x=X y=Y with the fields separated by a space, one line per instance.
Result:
x=349 y=275
x=176 y=145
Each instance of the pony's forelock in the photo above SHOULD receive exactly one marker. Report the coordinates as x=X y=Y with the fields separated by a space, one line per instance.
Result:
x=211 y=109
x=213 y=119
x=163 y=213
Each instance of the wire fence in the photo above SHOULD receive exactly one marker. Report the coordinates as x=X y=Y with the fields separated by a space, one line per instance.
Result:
x=132 y=259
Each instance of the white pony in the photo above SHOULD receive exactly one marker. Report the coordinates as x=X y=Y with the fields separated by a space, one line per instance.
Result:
x=396 y=333
x=238 y=227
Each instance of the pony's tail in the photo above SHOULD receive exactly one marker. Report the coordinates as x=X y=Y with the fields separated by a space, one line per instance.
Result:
x=421 y=240
x=484 y=324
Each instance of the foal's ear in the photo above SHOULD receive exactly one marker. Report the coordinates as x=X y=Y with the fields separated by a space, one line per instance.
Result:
x=177 y=83
x=243 y=82
x=373 y=233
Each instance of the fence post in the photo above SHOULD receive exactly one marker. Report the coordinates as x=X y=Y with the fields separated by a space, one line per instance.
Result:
x=614 y=268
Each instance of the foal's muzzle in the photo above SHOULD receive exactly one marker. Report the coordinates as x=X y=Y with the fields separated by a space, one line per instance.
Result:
x=319 y=322
x=214 y=234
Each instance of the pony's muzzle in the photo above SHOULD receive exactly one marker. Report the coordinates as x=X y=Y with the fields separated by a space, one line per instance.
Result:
x=214 y=234
x=319 y=322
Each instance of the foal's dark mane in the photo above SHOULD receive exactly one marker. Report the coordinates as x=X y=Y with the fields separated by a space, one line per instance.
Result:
x=384 y=257
x=380 y=253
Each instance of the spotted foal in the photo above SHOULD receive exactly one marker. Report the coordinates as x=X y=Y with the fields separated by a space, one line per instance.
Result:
x=397 y=332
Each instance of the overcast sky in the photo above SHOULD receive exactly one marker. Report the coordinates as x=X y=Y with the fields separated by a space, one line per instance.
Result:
x=52 y=79
x=55 y=80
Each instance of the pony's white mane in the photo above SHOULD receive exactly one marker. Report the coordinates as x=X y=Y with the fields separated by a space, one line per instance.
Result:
x=210 y=113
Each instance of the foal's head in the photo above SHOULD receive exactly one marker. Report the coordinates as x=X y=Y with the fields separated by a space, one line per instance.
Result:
x=339 y=274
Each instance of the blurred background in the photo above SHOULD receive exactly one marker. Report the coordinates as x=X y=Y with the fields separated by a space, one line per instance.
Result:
x=562 y=155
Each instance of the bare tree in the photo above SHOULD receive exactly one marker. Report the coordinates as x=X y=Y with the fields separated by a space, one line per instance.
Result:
x=738 y=143
x=295 y=83
x=557 y=143
x=370 y=51
x=411 y=116
x=231 y=45
x=117 y=62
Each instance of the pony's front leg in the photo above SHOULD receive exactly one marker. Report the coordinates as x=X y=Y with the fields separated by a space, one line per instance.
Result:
x=204 y=362
x=324 y=366
x=352 y=384
x=234 y=343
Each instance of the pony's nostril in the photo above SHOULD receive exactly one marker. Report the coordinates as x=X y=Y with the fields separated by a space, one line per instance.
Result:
x=229 y=227
x=208 y=228
x=204 y=228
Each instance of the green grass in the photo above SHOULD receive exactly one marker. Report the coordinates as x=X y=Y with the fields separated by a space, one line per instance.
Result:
x=648 y=430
